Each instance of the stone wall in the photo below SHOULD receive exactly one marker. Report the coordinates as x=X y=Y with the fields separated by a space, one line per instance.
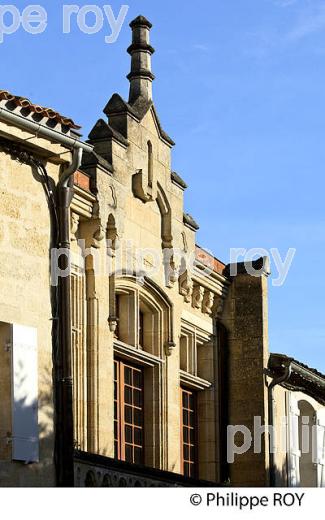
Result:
x=25 y=300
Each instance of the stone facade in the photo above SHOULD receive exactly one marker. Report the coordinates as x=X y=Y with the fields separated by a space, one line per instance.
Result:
x=142 y=292
x=25 y=297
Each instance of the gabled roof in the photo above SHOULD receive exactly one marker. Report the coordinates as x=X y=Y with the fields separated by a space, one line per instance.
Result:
x=12 y=102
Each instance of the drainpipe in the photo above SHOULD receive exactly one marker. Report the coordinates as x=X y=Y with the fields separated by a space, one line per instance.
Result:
x=275 y=381
x=63 y=376
x=63 y=404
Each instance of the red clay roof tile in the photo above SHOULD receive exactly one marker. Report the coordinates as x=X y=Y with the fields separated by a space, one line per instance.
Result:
x=38 y=109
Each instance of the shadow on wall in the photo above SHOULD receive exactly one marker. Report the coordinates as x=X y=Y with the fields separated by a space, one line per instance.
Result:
x=31 y=436
x=281 y=476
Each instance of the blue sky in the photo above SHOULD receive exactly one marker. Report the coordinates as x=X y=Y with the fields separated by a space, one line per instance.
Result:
x=240 y=87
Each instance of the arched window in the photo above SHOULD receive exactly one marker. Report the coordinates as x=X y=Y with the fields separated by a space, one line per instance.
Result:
x=144 y=330
x=150 y=164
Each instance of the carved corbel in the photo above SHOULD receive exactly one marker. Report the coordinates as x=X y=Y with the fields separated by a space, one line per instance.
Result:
x=98 y=236
x=74 y=225
x=207 y=303
x=112 y=242
x=171 y=271
x=169 y=347
x=141 y=188
x=197 y=296
x=186 y=286
x=112 y=323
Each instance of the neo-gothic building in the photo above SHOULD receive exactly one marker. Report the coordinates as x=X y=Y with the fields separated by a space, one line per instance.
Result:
x=127 y=368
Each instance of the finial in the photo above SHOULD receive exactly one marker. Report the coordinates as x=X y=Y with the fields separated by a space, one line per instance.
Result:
x=141 y=51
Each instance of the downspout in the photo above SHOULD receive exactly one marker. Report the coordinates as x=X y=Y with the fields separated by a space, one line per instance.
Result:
x=64 y=381
x=63 y=404
x=61 y=331
x=275 y=381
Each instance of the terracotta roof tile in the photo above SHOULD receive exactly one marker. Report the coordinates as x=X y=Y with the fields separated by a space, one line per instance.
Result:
x=209 y=260
x=49 y=113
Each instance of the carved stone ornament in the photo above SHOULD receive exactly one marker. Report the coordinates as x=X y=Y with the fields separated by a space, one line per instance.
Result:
x=207 y=303
x=140 y=187
x=112 y=323
x=169 y=347
x=186 y=286
x=98 y=236
x=197 y=296
x=74 y=225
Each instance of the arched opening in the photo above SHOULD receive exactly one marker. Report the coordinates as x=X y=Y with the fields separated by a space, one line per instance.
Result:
x=145 y=328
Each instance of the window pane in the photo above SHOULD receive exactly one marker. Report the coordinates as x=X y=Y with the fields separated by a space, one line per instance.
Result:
x=137 y=417
x=186 y=452
x=137 y=398
x=192 y=453
x=128 y=395
x=137 y=379
x=138 y=436
x=137 y=455
x=128 y=414
x=128 y=434
x=128 y=453
x=128 y=376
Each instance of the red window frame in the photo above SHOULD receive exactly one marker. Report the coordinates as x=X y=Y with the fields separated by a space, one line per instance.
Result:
x=128 y=412
x=188 y=432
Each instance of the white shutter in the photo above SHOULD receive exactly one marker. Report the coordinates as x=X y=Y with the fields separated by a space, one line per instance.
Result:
x=293 y=437
x=24 y=394
x=320 y=440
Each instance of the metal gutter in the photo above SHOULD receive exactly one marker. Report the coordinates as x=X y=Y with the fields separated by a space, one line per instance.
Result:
x=40 y=130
